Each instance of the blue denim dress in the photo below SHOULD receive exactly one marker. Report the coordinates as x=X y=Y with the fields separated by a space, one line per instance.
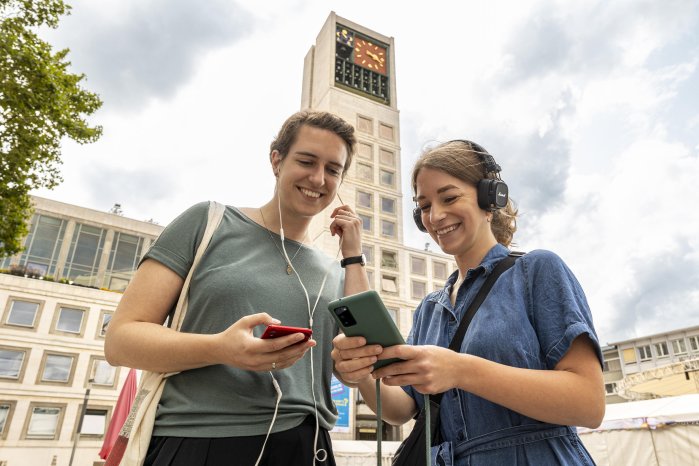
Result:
x=529 y=319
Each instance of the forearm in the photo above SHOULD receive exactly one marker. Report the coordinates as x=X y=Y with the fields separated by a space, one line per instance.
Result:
x=153 y=347
x=556 y=396
x=356 y=279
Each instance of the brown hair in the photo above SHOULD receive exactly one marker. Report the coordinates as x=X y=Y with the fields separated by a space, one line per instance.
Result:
x=459 y=159
x=317 y=119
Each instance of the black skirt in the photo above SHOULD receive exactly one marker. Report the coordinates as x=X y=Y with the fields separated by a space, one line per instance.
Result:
x=289 y=447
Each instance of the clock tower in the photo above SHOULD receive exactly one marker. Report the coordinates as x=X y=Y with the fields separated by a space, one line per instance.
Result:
x=350 y=71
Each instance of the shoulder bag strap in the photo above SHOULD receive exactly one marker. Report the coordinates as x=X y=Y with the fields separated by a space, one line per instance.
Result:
x=216 y=211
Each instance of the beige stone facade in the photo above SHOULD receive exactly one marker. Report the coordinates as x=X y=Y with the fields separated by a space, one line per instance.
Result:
x=52 y=333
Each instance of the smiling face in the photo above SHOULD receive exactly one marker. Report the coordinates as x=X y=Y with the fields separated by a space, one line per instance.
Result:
x=311 y=172
x=450 y=212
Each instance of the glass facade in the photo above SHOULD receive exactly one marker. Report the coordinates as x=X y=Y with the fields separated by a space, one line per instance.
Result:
x=84 y=255
x=42 y=245
x=82 y=261
x=123 y=260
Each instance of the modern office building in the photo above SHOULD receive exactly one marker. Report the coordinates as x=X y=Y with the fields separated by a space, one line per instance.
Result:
x=58 y=294
x=56 y=299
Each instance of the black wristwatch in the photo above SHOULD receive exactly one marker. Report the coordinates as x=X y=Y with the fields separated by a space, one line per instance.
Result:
x=353 y=260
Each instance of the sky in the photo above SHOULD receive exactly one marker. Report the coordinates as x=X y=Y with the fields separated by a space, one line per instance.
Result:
x=591 y=107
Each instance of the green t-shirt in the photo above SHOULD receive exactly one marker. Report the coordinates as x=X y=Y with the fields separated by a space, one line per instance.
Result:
x=243 y=273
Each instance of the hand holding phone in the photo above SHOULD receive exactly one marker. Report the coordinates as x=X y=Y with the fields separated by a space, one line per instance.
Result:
x=276 y=331
x=364 y=314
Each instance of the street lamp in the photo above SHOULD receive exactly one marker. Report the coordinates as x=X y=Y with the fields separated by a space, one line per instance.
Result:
x=80 y=421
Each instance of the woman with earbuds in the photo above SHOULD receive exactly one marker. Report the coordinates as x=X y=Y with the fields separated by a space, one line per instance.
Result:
x=529 y=365
x=260 y=268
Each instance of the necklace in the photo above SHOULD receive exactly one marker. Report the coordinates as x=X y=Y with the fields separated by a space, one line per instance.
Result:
x=281 y=253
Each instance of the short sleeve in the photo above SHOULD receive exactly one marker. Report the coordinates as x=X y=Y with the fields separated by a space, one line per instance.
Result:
x=557 y=304
x=177 y=244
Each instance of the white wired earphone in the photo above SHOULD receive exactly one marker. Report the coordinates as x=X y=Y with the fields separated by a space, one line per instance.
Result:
x=318 y=454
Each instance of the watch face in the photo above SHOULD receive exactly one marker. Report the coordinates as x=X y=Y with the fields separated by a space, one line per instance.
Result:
x=369 y=55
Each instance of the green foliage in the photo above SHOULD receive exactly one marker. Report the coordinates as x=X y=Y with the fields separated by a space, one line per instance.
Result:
x=40 y=103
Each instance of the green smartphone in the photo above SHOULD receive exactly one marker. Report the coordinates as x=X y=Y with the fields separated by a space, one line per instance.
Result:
x=364 y=314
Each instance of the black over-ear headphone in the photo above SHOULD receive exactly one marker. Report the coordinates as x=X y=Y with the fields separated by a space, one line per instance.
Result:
x=492 y=193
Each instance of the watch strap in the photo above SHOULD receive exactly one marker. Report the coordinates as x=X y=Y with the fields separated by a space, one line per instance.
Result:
x=353 y=260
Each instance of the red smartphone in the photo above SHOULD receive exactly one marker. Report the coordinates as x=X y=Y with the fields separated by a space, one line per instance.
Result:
x=276 y=331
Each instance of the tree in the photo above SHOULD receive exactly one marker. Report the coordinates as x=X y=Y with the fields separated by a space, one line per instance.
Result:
x=40 y=103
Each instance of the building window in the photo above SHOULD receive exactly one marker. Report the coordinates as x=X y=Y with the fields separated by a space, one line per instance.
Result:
x=610 y=388
x=417 y=265
x=644 y=353
x=388 y=205
x=84 y=255
x=389 y=259
x=387 y=157
x=437 y=286
x=370 y=277
x=57 y=368
x=43 y=244
x=364 y=150
x=629 y=355
x=393 y=312
x=387 y=178
x=368 y=252
x=366 y=222
x=388 y=228
x=611 y=365
x=439 y=270
x=661 y=349
x=418 y=289
x=94 y=422
x=694 y=343
x=70 y=320
x=365 y=172
x=104 y=323
x=12 y=363
x=365 y=125
x=386 y=131
x=679 y=346
x=101 y=372
x=22 y=313
x=6 y=410
x=389 y=284
x=364 y=199
x=44 y=421
x=123 y=260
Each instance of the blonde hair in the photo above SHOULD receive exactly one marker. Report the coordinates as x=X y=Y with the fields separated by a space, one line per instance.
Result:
x=462 y=160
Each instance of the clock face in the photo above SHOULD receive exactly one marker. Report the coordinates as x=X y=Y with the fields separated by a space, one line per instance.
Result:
x=361 y=65
x=369 y=55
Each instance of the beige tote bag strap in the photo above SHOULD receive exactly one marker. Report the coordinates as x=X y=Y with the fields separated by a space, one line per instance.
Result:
x=216 y=211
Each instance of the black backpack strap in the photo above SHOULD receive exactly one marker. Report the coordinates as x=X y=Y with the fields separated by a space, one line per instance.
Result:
x=455 y=344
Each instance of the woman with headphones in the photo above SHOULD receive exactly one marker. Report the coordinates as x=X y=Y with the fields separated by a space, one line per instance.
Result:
x=529 y=366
